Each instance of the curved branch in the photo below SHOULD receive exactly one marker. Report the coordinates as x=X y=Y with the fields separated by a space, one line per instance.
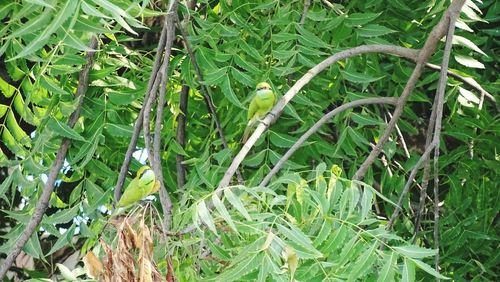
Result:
x=278 y=108
x=43 y=202
x=318 y=124
x=430 y=45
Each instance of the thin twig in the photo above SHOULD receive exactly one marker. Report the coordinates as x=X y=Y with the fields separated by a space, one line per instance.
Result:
x=139 y=121
x=155 y=159
x=43 y=202
x=317 y=125
x=437 y=131
x=401 y=138
x=206 y=95
x=430 y=45
x=425 y=177
x=181 y=135
x=307 y=4
x=467 y=80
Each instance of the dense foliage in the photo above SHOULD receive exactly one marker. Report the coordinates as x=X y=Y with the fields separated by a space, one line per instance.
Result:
x=308 y=224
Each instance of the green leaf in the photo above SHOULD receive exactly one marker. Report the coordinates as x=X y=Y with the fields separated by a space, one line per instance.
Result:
x=33 y=247
x=244 y=267
x=52 y=86
x=68 y=9
x=229 y=93
x=7 y=89
x=366 y=203
x=469 y=62
x=357 y=77
x=64 y=130
x=364 y=263
x=365 y=120
x=236 y=202
x=415 y=251
x=64 y=240
x=360 y=18
x=297 y=236
x=281 y=140
x=460 y=40
x=388 y=270
x=373 y=30
x=40 y=3
x=223 y=211
x=62 y=216
x=204 y=215
x=120 y=130
x=408 y=274
x=425 y=267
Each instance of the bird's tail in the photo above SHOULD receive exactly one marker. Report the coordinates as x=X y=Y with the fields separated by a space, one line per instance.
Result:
x=246 y=133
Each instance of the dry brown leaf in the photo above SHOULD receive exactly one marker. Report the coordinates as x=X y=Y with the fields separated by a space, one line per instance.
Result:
x=108 y=263
x=93 y=264
x=145 y=272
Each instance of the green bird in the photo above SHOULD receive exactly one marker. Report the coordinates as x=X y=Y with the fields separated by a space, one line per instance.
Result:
x=261 y=104
x=144 y=184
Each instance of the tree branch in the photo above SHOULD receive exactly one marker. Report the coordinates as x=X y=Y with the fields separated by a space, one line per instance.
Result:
x=155 y=159
x=307 y=4
x=181 y=135
x=139 y=121
x=430 y=45
x=278 y=108
x=43 y=202
x=317 y=125
x=437 y=131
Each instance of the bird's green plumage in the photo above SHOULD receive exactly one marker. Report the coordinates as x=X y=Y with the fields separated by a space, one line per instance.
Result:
x=261 y=104
x=142 y=185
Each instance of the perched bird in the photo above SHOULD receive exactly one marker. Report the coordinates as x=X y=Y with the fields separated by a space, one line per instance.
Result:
x=142 y=185
x=261 y=104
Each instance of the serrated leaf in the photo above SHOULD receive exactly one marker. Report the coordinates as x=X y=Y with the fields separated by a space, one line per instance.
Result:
x=69 y=7
x=469 y=62
x=33 y=247
x=62 y=216
x=63 y=130
x=373 y=30
x=388 y=270
x=282 y=140
x=359 y=77
x=365 y=120
x=223 y=211
x=408 y=274
x=415 y=251
x=467 y=43
x=360 y=18
x=119 y=129
x=236 y=202
x=228 y=92
x=364 y=263
x=427 y=268
x=297 y=236
x=205 y=217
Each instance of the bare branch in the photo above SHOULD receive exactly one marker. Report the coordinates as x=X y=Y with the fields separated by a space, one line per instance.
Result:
x=430 y=45
x=467 y=80
x=425 y=177
x=155 y=159
x=307 y=4
x=181 y=135
x=43 y=202
x=437 y=131
x=206 y=95
x=317 y=125
x=139 y=121
x=278 y=108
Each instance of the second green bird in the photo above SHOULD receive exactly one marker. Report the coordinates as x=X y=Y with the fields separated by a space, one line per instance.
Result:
x=261 y=104
x=144 y=184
